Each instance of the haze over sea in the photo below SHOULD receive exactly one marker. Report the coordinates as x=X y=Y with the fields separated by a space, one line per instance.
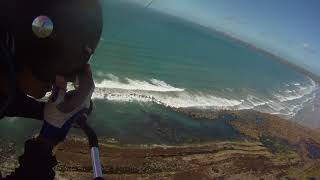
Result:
x=148 y=63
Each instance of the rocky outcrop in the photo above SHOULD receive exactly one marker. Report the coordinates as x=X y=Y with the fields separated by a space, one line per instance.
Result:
x=215 y=160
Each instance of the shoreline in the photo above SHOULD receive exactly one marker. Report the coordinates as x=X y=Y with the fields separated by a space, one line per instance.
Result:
x=262 y=51
x=267 y=152
x=303 y=71
x=212 y=31
x=209 y=32
x=310 y=113
x=267 y=53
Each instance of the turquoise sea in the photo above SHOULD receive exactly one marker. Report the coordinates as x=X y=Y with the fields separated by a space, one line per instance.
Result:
x=148 y=63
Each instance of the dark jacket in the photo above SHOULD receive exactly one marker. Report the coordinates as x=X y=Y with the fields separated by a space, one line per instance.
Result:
x=37 y=162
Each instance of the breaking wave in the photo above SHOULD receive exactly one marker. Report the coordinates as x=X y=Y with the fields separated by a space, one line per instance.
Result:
x=287 y=101
x=113 y=82
x=296 y=91
x=174 y=100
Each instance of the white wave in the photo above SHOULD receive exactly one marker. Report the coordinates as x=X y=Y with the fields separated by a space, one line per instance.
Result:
x=185 y=100
x=255 y=101
x=289 y=102
x=298 y=92
x=286 y=102
x=284 y=98
x=114 y=82
x=177 y=100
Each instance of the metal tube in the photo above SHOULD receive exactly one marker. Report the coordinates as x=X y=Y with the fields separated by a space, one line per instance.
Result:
x=96 y=163
x=94 y=145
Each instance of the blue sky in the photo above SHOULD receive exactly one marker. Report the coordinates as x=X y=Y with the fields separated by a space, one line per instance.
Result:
x=289 y=28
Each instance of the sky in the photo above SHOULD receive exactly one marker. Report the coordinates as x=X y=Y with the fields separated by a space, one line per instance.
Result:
x=288 y=28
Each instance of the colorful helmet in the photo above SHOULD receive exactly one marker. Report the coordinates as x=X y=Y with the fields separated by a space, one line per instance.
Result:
x=53 y=37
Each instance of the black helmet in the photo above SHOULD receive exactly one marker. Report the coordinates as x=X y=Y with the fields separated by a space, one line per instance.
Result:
x=53 y=36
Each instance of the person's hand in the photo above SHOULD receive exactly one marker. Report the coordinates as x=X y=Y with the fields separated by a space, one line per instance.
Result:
x=57 y=123
x=54 y=135
x=61 y=111
x=59 y=90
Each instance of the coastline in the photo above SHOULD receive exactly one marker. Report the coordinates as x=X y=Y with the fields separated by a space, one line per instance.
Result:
x=283 y=99
x=211 y=31
x=279 y=59
x=310 y=113
x=272 y=148
x=269 y=147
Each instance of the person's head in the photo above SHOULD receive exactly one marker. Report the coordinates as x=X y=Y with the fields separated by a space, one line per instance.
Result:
x=52 y=37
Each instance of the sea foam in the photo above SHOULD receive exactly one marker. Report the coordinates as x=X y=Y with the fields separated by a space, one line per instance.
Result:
x=113 y=82
x=287 y=101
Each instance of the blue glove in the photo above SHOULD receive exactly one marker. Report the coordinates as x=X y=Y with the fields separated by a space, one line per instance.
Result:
x=63 y=108
x=56 y=135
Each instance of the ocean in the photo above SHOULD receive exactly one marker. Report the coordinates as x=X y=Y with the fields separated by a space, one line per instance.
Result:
x=148 y=63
